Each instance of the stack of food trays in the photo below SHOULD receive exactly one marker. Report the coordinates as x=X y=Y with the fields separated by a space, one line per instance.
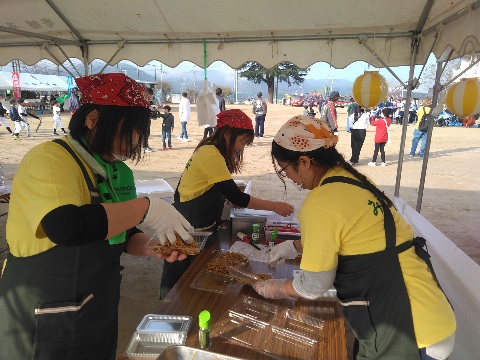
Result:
x=271 y=329
x=215 y=277
x=157 y=332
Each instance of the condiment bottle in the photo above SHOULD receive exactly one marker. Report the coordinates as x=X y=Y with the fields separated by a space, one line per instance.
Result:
x=273 y=238
x=204 y=330
x=255 y=233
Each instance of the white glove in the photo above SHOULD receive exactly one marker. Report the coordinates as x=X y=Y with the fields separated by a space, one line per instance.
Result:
x=165 y=220
x=282 y=251
x=272 y=289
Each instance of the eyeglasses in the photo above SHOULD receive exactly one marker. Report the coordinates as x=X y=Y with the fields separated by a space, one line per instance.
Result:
x=281 y=173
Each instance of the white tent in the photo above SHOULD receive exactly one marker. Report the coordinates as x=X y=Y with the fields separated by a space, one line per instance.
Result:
x=34 y=82
x=303 y=31
x=384 y=33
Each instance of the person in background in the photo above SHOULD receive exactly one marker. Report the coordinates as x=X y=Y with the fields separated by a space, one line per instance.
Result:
x=167 y=127
x=221 y=107
x=56 y=111
x=22 y=111
x=207 y=181
x=61 y=102
x=73 y=212
x=329 y=112
x=358 y=131
x=74 y=100
x=15 y=117
x=260 y=111
x=382 y=136
x=420 y=136
x=184 y=114
x=3 y=120
x=350 y=110
x=354 y=239
x=153 y=115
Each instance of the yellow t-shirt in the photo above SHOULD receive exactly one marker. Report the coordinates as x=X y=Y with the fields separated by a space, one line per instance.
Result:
x=420 y=111
x=205 y=168
x=47 y=177
x=342 y=219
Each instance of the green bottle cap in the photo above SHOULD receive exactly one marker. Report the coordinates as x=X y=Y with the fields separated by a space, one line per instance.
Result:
x=204 y=319
x=255 y=227
x=273 y=236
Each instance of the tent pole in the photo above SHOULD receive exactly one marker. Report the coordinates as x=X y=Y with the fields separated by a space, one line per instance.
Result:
x=436 y=91
x=58 y=61
x=121 y=45
x=85 y=57
x=406 y=115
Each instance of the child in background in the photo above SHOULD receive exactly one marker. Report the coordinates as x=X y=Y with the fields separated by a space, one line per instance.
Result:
x=56 y=110
x=381 y=136
x=22 y=111
x=15 y=116
x=167 y=126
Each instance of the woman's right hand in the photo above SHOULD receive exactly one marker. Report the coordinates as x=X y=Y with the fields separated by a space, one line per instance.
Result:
x=283 y=208
x=165 y=220
x=281 y=252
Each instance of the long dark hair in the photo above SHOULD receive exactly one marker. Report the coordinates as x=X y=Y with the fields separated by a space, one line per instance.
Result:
x=111 y=119
x=234 y=161
x=324 y=157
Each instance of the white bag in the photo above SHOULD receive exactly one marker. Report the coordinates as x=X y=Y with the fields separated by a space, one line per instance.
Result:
x=207 y=107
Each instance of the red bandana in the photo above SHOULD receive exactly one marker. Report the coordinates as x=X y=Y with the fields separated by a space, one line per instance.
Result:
x=112 y=89
x=235 y=118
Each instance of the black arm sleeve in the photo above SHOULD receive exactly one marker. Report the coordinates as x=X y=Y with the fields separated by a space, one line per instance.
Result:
x=71 y=225
x=233 y=194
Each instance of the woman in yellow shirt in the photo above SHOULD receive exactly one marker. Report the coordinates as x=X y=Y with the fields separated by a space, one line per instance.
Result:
x=354 y=239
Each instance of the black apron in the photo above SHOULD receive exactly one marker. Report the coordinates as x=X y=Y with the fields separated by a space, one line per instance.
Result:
x=373 y=296
x=203 y=212
x=62 y=303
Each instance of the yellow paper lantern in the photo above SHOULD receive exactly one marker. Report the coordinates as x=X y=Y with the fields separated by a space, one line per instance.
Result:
x=463 y=98
x=370 y=89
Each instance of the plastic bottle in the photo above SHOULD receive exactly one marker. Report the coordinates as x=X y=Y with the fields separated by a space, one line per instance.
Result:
x=273 y=238
x=3 y=187
x=255 y=233
x=204 y=330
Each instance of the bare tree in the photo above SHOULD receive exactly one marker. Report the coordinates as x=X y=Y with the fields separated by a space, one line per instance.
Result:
x=45 y=67
x=428 y=76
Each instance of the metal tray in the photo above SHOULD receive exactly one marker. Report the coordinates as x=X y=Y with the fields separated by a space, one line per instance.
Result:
x=188 y=353
x=165 y=323
x=145 y=343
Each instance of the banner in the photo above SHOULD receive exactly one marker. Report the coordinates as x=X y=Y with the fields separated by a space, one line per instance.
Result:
x=70 y=84
x=17 y=94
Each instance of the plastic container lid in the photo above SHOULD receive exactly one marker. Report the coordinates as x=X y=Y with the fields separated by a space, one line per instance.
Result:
x=255 y=227
x=204 y=319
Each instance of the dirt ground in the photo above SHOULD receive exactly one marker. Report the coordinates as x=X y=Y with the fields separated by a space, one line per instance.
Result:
x=450 y=201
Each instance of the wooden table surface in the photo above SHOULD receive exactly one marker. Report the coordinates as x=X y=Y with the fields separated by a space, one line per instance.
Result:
x=185 y=300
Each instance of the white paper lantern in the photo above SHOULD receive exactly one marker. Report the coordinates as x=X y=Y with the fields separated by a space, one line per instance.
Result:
x=370 y=89
x=463 y=98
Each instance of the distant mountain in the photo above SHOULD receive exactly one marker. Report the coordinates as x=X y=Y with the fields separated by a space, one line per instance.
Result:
x=180 y=80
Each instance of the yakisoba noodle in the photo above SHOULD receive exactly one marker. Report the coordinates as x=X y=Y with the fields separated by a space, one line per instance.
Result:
x=218 y=265
x=178 y=245
x=261 y=277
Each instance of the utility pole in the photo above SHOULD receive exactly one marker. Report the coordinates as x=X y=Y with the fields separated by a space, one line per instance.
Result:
x=161 y=81
x=235 y=85
x=194 y=85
